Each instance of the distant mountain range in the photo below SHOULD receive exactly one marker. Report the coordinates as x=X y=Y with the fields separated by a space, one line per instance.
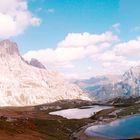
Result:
x=30 y=83
x=112 y=86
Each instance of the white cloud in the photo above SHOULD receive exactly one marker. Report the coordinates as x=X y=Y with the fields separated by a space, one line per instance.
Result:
x=59 y=57
x=116 y=27
x=123 y=56
x=15 y=18
x=89 y=68
x=75 y=46
x=130 y=48
x=102 y=49
x=86 y=39
x=110 y=56
x=119 y=67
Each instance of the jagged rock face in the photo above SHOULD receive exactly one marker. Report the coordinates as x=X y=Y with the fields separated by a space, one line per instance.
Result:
x=8 y=48
x=132 y=78
x=100 y=87
x=125 y=85
x=34 y=62
x=21 y=84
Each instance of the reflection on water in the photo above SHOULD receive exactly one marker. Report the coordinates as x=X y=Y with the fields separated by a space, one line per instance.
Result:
x=119 y=129
x=79 y=113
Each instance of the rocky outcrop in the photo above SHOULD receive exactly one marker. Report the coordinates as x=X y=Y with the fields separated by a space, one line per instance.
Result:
x=106 y=87
x=21 y=84
x=34 y=62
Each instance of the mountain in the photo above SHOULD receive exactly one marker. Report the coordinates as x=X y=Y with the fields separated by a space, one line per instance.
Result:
x=34 y=62
x=131 y=78
x=23 y=83
x=107 y=87
x=96 y=86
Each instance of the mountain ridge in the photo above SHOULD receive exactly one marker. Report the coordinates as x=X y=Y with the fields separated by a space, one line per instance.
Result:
x=108 y=87
x=22 y=84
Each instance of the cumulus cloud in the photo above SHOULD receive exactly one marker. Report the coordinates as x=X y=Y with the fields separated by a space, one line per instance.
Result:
x=15 y=18
x=75 y=46
x=114 y=57
x=119 y=67
x=56 y=55
x=86 y=39
x=130 y=48
x=123 y=56
x=110 y=56
x=59 y=57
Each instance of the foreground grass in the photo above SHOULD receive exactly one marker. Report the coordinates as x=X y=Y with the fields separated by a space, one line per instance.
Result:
x=59 y=129
x=35 y=123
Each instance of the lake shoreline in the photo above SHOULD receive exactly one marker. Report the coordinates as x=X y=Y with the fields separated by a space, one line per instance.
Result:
x=81 y=135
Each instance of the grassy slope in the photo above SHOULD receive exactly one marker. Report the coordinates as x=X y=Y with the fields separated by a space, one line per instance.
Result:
x=32 y=123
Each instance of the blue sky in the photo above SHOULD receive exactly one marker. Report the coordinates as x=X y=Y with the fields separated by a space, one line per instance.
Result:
x=94 y=16
x=59 y=18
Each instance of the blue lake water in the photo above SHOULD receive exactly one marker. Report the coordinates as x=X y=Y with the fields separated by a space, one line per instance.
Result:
x=119 y=129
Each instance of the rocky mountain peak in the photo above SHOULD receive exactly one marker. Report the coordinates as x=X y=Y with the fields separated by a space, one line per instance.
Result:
x=21 y=84
x=132 y=73
x=8 y=47
x=34 y=62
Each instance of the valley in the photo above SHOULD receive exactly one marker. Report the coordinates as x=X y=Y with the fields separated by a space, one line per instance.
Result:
x=38 y=104
x=69 y=69
x=35 y=122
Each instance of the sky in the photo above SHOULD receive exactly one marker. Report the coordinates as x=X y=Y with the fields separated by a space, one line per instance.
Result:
x=78 y=38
